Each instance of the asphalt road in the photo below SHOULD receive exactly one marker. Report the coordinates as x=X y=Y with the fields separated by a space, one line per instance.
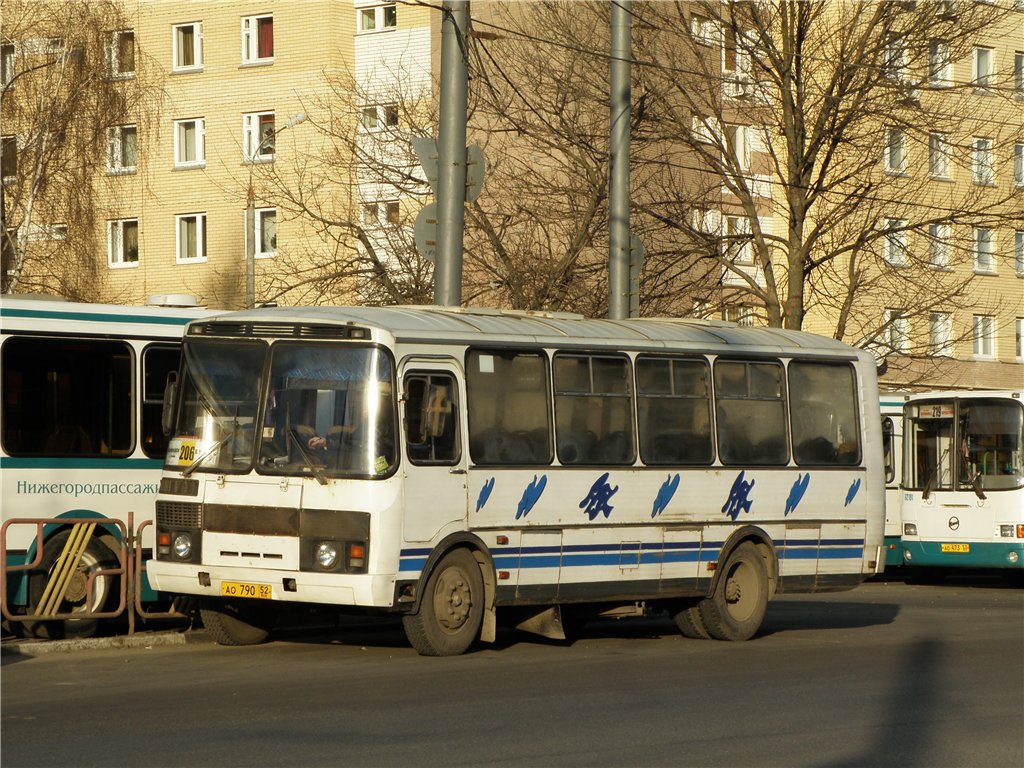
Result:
x=889 y=674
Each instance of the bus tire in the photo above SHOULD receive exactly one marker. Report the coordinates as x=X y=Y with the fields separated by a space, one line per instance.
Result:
x=690 y=623
x=735 y=610
x=237 y=622
x=452 y=609
x=97 y=557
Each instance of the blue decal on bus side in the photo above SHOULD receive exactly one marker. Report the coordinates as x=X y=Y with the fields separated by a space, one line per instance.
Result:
x=485 y=494
x=596 y=501
x=531 y=496
x=796 y=493
x=665 y=494
x=738 y=497
x=850 y=494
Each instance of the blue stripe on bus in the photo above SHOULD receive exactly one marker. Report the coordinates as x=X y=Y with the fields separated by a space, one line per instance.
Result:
x=647 y=553
x=94 y=317
x=48 y=462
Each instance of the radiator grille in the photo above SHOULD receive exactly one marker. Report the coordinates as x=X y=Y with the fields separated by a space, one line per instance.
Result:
x=179 y=514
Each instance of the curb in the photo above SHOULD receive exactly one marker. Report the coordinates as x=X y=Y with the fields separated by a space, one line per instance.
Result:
x=142 y=640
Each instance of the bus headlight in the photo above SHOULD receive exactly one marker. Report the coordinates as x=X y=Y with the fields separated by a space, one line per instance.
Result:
x=183 y=546
x=910 y=529
x=327 y=555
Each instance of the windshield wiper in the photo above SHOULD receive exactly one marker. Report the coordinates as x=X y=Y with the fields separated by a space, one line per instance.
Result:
x=213 y=448
x=317 y=472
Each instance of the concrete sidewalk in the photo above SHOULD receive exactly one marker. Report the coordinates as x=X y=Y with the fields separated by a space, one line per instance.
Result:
x=149 y=639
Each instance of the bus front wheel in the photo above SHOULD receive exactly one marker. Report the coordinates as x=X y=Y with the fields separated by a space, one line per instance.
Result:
x=452 y=609
x=736 y=608
x=238 y=622
x=78 y=598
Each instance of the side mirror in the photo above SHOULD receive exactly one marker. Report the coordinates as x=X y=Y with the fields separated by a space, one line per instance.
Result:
x=170 y=398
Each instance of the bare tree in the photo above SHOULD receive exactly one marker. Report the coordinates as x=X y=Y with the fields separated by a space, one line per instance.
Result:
x=71 y=76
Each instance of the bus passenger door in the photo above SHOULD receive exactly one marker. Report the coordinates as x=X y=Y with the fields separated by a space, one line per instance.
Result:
x=434 y=467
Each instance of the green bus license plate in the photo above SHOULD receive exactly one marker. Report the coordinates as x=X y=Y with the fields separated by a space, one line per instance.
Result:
x=955 y=547
x=242 y=589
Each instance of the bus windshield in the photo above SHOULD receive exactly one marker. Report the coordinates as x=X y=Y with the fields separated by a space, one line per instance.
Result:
x=219 y=400
x=330 y=411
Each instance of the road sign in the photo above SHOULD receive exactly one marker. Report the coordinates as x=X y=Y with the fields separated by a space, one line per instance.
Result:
x=476 y=165
x=425 y=231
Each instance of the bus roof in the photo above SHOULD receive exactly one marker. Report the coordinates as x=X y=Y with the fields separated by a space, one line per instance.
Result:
x=430 y=324
x=41 y=314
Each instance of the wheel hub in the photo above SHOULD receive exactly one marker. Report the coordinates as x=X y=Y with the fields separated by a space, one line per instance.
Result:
x=452 y=601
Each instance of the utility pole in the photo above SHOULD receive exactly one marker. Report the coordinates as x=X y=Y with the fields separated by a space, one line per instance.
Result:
x=451 y=151
x=618 y=193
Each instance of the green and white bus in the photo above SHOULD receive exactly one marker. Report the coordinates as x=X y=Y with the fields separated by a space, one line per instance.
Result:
x=455 y=466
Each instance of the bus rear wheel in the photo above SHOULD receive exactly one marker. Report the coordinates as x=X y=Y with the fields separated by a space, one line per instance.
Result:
x=690 y=623
x=452 y=609
x=735 y=610
x=238 y=622
x=77 y=597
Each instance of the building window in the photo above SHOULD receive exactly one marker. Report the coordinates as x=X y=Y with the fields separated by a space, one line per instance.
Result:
x=894 y=60
x=938 y=246
x=737 y=137
x=266 y=233
x=121 y=54
x=895 y=150
x=940 y=65
x=187 y=45
x=940 y=334
x=1018 y=252
x=1018 y=74
x=378 y=18
x=378 y=117
x=190 y=142
x=1018 y=164
x=981 y=161
x=7 y=68
x=378 y=214
x=123 y=243
x=897 y=327
x=894 y=246
x=257 y=39
x=1018 y=337
x=704 y=30
x=741 y=314
x=258 y=134
x=938 y=156
x=737 y=240
x=121 y=149
x=191 y=237
x=984 y=334
x=983 y=71
x=9 y=157
x=984 y=250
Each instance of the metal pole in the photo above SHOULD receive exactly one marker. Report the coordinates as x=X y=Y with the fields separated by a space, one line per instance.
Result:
x=618 y=192
x=250 y=250
x=451 y=154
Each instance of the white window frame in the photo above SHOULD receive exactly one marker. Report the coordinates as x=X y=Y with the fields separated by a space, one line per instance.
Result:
x=116 y=257
x=376 y=18
x=1018 y=252
x=1018 y=337
x=983 y=248
x=1018 y=165
x=894 y=60
x=940 y=334
x=940 y=64
x=197 y=47
x=114 y=64
x=894 y=243
x=984 y=69
x=895 y=151
x=200 y=244
x=737 y=251
x=200 y=142
x=254 y=140
x=1018 y=74
x=704 y=30
x=251 y=39
x=740 y=135
x=259 y=223
x=897 y=330
x=374 y=118
x=8 y=63
x=982 y=167
x=983 y=335
x=940 y=160
x=938 y=245
x=115 y=149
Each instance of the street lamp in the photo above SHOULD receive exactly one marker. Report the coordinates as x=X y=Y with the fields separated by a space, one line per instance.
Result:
x=250 y=211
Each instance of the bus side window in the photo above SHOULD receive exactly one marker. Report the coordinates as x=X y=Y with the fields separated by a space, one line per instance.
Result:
x=593 y=409
x=890 y=465
x=674 y=407
x=750 y=412
x=157 y=362
x=431 y=423
x=824 y=416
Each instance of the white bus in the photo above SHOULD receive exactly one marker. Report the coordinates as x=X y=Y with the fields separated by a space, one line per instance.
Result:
x=963 y=481
x=446 y=464
x=891 y=405
x=81 y=392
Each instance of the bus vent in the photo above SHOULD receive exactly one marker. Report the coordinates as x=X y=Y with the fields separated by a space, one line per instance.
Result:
x=278 y=330
x=179 y=514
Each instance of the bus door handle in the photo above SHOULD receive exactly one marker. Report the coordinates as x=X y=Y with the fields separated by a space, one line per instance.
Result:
x=456 y=471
